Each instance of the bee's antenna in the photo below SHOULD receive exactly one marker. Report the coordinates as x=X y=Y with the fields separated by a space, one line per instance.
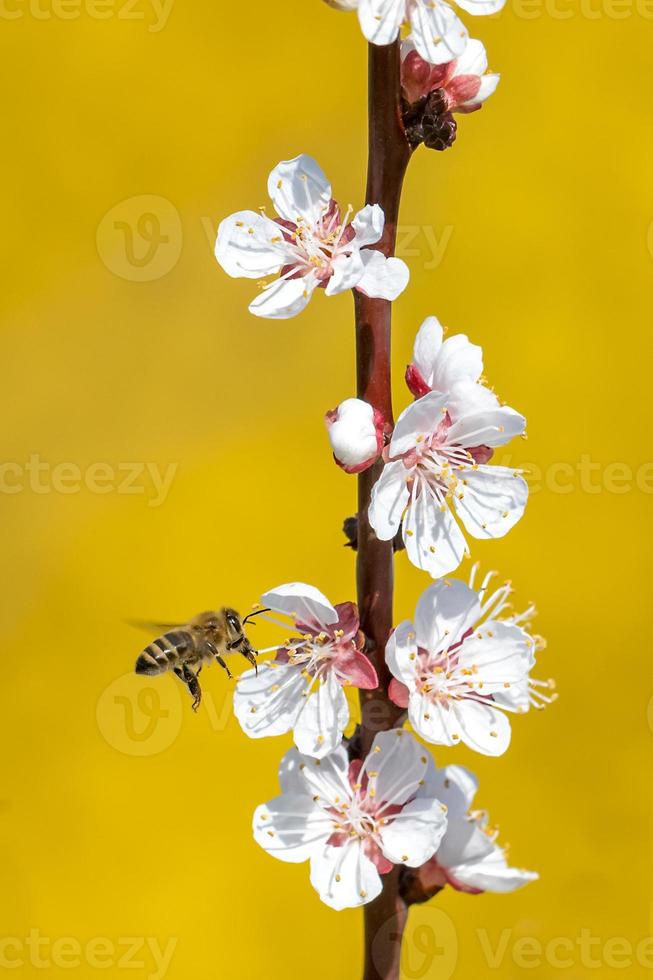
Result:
x=257 y=612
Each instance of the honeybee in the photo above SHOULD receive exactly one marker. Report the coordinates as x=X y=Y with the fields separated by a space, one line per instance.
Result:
x=185 y=648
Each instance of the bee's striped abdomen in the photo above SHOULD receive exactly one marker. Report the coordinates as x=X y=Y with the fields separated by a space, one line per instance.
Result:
x=165 y=653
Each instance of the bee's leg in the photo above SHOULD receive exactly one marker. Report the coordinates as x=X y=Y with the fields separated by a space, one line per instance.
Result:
x=214 y=651
x=223 y=664
x=248 y=653
x=186 y=675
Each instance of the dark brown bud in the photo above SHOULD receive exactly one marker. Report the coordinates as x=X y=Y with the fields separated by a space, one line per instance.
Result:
x=428 y=121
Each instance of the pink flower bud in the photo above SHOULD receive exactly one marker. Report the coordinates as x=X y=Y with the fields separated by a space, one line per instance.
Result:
x=356 y=434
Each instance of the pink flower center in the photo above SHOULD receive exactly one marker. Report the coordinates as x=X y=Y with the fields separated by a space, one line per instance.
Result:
x=316 y=246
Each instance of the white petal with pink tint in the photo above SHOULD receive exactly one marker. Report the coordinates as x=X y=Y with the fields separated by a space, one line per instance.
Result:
x=299 y=189
x=469 y=857
x=347 y=273
x=297 y=599
x=324 y=717
x=284 y=298
x=456 y=663
x=311 y=244
x=492 y=502
x=354 y=821
x=250 y=246
x=383 y=278
x=482 y=8
x=493 y=874
x=344 y=877
x=433 y=540
x=368 y=225
x=380 y=20
x=438 y=33
x=491 y=427
x=419 y=419
x=390 y=497
x=444 y=613
x=410 y=838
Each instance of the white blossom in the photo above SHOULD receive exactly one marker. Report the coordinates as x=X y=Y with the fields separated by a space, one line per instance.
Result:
x=437 y=459
x=310 y=244
x=354 y=821
x=460 y=666
x=438 y=33
x=302 y=689
x=469 y=858
x=465 y=82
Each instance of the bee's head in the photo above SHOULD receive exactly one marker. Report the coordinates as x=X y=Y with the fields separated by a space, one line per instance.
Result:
x=233 y=623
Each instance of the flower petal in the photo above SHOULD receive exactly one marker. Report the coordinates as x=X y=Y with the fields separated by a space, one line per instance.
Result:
x=438 y=33
x=427 y=347
x=389 y=498
x=419 y=419
x=499 y=654
x=473 y=60
x=494 y=500
x=383 y=278
x=359 y=670
x=482 y=727
x=328 y=778
x=401 y=654
x=322 y=720
x=492 y=874
x=464 y=842
x=347 y=272
x=291 y=778
x=456 y=787
x=297 y=599
x=414 y=835
x=458 y=360
x=481 y=7
x=368 y=225
x=434 y=542
x=435 y=723
x=284 y=298
x=251 y=246
x=493 y=427
x=344 y=877
x=380 y=20
x=445 y=612
x=299 y=189
x=396 y=766
x=291 y=827
x=269 y=703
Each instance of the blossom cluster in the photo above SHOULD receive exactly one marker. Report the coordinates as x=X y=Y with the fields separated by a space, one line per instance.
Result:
x=462 y=665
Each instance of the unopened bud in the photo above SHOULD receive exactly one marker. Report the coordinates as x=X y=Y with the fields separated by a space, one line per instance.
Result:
x=356 y=434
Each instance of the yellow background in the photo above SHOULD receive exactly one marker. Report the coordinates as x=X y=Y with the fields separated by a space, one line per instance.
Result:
x=123 y=814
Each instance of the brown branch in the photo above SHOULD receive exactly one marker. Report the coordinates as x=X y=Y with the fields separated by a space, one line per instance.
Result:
x=389 y=153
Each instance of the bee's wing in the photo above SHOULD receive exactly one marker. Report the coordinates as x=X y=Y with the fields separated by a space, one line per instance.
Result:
x=151 y=627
